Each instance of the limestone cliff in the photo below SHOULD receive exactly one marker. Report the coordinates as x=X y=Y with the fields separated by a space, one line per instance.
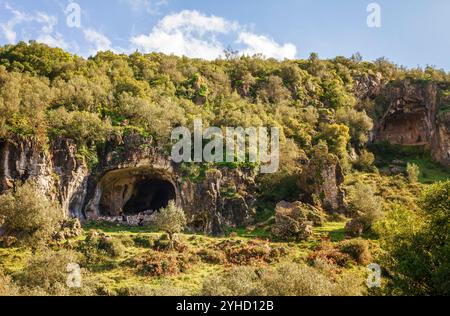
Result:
x=132 y=177
x=415 y=114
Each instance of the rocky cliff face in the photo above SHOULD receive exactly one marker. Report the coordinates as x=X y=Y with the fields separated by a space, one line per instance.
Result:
x=56 y=170
x=130 y=178
x=414 y=115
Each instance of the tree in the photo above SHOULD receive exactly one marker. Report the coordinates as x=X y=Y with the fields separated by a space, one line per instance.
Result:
x=365 y=206
x=171 y=220
x=413 y=172
x=337 y=137
x=29 y=215
x=359 y=124
x=418 y=245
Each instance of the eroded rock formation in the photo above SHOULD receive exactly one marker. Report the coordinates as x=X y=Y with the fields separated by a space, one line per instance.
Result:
x=321 y=179
x=131 y=177
x=414 y=117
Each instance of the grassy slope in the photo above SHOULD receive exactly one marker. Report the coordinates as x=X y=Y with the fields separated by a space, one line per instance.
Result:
x=114 y=276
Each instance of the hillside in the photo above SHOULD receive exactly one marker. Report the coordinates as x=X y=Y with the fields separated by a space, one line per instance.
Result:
x=364 y=170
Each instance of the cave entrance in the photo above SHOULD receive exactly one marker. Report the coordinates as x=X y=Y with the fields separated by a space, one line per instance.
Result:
x=134 y=190
x=149 y=195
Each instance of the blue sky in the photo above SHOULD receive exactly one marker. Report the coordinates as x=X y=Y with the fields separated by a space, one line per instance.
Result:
x=412 y=33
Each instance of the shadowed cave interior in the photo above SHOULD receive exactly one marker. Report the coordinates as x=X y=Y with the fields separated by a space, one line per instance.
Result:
x=130 y=192
x=149 y=194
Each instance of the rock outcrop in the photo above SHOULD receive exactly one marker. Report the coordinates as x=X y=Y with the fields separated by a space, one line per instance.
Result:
x=321 y=180
x=294 y=221
x=57 y=170
x=132 y=179
x=415 y=117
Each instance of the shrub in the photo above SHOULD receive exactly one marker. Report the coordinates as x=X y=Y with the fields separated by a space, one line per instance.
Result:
x=327 y=253
x=70 y=228
x=212 y=256
x=171 y=220
x=358 y=249
x=359 y=124
x=253 y=252
x=29 y=215
x=47 y=273
x=289 y=279
x=293 y=221
x=239 y=281
x=154 y=263
x=413 y=172
x=366 y=207
x=365 y=161
x=98 y=246
x=7 y=287
x=417 y=245
x=144 y=241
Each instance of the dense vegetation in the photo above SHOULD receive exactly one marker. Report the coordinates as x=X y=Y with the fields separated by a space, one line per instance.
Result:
x=47 y=93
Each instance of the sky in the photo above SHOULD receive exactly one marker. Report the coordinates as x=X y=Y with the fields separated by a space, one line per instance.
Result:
x=408 y=32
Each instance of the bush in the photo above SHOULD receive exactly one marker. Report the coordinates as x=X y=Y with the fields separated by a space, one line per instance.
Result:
x=365 y=161
x=413 y=172
x=154 y=263
x=171 y=220
x=365 y=206
x=29 y=215
x=98 y=246
x=212 y=256
x=254 y=252
x=70 y=228
x=327 y=253
x=144 y=241
x=289 y=279
x=47 y=273
x=418 y=245
x=7 y=287
x=293 y=221
x=358 y=249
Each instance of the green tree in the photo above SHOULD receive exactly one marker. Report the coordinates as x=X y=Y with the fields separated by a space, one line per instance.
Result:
x=359 y=124
x=171 y=220
x=413 y=172
x=337 y=137
x=418 y=245
x=29 y=215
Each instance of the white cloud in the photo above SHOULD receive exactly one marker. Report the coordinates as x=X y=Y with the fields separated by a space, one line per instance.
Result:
x=193 y=34
x=261 y=44
x=149 y=6
x=8 y=27
x=98 y=40
x=195 y=22
x=188 y=33
x=40 y=21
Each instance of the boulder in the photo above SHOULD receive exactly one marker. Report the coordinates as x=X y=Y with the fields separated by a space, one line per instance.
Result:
x=294 y=221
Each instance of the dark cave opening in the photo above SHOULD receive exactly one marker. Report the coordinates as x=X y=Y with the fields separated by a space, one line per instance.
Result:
x=149 y=194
